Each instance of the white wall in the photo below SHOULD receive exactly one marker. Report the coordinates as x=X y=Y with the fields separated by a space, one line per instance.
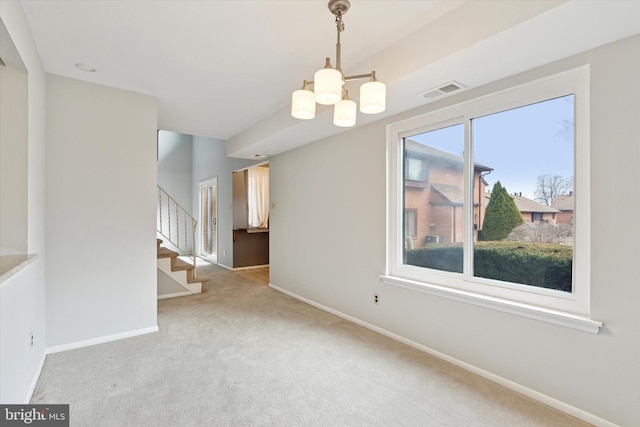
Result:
x=13 y=161
x=22 y=297
x=175 y=157
x=209 y=160
x=328 y=245
x=100 y=212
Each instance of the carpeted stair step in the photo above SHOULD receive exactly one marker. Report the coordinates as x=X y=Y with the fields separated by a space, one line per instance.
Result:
x=178 y=264
x=166 y=253
x=200 y=279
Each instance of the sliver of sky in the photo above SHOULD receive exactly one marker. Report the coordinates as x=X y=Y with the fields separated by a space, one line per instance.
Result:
x=519 y=144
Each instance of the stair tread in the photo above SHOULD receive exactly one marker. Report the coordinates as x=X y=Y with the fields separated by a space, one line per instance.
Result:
x=198 y=279
x=179 y=264
x=166 y=253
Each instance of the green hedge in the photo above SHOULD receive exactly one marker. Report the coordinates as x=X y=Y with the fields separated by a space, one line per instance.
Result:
x=445 y=257
x=542 y=265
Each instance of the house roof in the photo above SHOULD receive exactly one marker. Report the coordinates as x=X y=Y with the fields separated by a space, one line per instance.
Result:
x=528 y=205
x=432 y=152
x=563 y=202
x=451 y=193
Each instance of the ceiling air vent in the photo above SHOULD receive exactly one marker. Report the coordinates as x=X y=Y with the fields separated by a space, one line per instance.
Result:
x=443 y=89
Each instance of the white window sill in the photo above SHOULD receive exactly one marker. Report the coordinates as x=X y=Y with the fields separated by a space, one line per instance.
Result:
x=569 y=320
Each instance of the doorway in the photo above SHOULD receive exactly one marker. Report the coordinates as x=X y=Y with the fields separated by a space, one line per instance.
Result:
x=208 y=194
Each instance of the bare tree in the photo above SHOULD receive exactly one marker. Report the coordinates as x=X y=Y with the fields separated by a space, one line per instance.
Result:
x=548 y=187
x=542 y=232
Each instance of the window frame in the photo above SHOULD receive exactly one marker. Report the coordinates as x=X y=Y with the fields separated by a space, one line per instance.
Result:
x=558 y=307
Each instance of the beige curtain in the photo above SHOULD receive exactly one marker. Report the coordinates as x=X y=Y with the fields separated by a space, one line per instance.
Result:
x=258 y=197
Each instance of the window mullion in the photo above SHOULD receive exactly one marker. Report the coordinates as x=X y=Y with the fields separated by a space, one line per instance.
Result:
x=467 y=210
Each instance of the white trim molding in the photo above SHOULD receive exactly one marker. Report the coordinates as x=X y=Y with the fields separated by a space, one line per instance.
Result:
x=175 y=295
x=101 y=340
x=250 y=267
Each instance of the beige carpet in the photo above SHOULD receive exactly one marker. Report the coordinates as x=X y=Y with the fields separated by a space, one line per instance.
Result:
x=243 y=354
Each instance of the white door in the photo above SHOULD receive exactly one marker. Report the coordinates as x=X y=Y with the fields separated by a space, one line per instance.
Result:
x=209 y=219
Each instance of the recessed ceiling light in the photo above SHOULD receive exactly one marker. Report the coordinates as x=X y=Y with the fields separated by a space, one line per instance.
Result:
x=260 y=156
x=85 y=67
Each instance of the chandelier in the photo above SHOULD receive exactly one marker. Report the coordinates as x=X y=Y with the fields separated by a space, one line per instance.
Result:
x=328 y=86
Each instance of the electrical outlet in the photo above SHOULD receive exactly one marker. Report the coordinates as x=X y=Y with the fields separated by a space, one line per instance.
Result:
x=376 y=299
x=31 y=339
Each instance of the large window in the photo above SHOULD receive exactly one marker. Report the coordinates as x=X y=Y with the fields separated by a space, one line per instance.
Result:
x=530 y=149
x=485 y=226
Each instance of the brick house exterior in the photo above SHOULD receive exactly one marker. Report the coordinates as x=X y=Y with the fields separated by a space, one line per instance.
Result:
x=434 y=195
x=564 y=204
x=533 y=211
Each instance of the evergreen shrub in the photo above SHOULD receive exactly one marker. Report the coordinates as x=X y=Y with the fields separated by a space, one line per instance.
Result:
x=542 y=265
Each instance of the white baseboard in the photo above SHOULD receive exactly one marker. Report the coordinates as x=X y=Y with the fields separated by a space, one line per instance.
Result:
x=250 y=267
x=519 y=388
x=177 y=294
x=101 y=340
x=225 y=266
x=36 y=377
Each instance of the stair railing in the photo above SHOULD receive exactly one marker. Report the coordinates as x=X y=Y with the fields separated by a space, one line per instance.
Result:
x=176 y=225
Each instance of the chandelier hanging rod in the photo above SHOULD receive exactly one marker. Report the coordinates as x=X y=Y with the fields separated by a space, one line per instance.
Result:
x=338 y=8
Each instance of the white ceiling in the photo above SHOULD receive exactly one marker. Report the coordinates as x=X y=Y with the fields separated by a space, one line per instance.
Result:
x=226 y=69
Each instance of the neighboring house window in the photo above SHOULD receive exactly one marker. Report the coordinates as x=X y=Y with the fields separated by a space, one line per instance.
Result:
x=504 y=142
x=416 y=169
x=410 y=222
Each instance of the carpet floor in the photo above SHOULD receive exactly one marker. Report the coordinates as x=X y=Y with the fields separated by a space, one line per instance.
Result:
x=243 y=354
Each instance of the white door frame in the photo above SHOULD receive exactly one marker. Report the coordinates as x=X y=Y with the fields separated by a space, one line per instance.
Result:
x=213 y=181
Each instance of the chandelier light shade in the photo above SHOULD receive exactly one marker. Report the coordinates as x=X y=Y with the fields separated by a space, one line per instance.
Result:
x=303 y=103
x=373 y=97
x=344 y=113
x=328 y=85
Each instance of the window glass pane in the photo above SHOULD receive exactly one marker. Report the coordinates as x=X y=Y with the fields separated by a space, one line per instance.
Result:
x=437 y=201
x=526 y=216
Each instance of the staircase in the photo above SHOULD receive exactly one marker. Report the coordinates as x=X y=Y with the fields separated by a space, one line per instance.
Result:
x=181 y=271
x=178 y=227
